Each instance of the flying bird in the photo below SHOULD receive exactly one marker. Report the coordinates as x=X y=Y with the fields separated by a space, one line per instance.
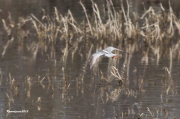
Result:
x=107 y=52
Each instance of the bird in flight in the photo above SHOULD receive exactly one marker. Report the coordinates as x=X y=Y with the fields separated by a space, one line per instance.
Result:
x=107 y=52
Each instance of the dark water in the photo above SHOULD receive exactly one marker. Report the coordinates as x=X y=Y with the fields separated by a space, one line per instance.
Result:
x=70 y=90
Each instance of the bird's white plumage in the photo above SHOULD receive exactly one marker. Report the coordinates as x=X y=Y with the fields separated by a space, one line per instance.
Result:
x=94 y=57
x=107 y=52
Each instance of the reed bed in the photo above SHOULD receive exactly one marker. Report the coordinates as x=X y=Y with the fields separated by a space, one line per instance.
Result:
x=154 y=32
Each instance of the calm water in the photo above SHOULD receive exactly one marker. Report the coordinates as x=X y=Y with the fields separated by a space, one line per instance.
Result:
x=70 y=90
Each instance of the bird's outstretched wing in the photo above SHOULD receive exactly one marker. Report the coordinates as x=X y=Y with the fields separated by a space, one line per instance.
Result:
x=110 y=49
x=94 y=58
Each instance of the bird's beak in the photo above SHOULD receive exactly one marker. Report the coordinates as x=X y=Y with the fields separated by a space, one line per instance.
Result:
x=114 y=57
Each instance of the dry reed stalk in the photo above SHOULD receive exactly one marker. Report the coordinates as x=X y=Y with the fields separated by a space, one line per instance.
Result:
x=90 y=27
x=122 y=7
x=147 y=12
x=5 y=26
x=36 y=28
x=72 y=22
x=170 y=30
x=114 y=71
x=65 y=24
x=29 y=81
x=65 y=55
x=130 y=29
x=111 y=10
x=7 y=45
x=56 y=15
x=37 y=20
x=114 y=23
x=47 y=30
x=168 y=73
x=152 y=115
x=99 y=27
x=131 y=49
x=170 y=59
x=10 y=97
